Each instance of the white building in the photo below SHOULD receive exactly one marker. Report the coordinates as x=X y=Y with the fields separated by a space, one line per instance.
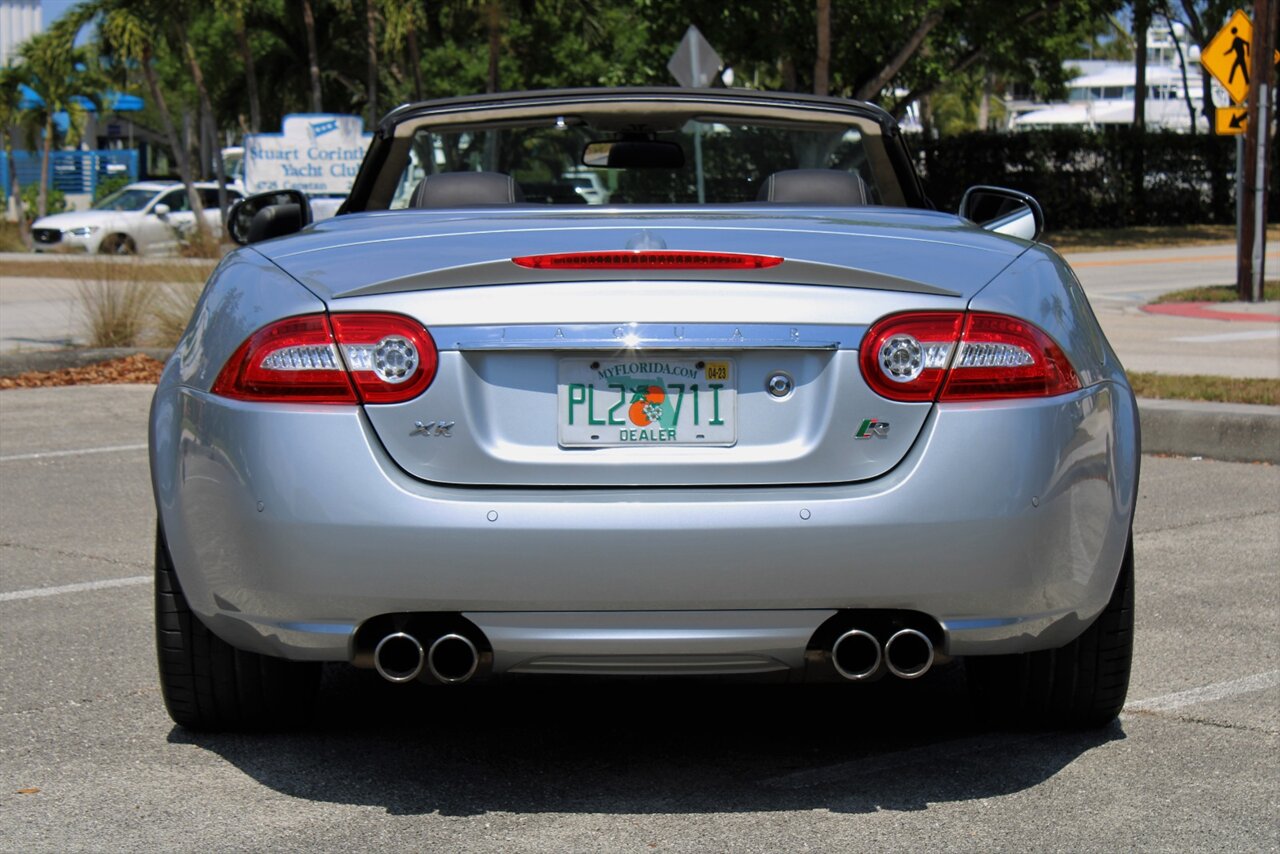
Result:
x=19 y=21
x=1103 y=92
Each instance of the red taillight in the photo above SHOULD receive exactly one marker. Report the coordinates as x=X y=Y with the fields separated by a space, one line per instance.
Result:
x=955 y=356
x=905 y=357
x=1002 y=357
x=372 y=358
x=648 y=259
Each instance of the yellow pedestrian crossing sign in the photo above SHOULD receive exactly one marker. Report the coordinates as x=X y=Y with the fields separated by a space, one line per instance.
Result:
x=1230 y=121
x=1228 y=56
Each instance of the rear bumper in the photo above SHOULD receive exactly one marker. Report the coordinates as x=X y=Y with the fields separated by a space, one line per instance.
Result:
x=290 y=526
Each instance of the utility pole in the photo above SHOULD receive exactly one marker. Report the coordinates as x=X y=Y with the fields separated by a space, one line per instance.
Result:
x=1257 y=144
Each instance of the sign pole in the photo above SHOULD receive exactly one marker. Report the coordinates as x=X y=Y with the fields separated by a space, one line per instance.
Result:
x=1260 y=196
x=1239 y=194
x=697 y=131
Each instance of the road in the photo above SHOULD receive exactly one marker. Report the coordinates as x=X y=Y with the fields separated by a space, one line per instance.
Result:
x=1137 y=275
x=572 y=766
x=1119 y=283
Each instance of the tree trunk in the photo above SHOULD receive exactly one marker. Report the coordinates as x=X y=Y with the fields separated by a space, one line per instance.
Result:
x=171 y=134
x=219 y=169
x=42 y=196
x=24 y=228
x=1141 y=23
x=371 y=47
x=984 y=103
x=974 y=55
x=415 y=61
x=494 y=15
x=313 y=56
x=787 y=68
x=872 y=87
x=250 y=76
x=822 y=64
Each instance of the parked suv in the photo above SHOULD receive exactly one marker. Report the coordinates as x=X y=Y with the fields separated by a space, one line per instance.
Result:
x=149 y=218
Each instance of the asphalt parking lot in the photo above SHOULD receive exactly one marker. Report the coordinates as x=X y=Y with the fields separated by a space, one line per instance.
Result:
x=90 y=761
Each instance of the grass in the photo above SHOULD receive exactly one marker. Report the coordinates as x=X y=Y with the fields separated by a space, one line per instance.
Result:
x=9 y=239
x=114 y=313
x=171 y=310
x=1146 y=237
x=1201 y=387
x=1218 y=293
x=122 y=304
x=108 y=268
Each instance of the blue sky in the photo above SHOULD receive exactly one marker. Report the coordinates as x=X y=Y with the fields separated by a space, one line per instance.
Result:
x=52 y=10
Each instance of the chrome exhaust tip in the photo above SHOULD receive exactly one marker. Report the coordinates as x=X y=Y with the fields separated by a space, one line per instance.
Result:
x=909 y=654
x=452 y=659
x=856 y=655
x=399 y=657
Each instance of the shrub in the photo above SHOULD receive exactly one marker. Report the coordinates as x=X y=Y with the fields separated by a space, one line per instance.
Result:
x=115 y=308
x=109 y=185
x=55 y=202
x=1109 y=178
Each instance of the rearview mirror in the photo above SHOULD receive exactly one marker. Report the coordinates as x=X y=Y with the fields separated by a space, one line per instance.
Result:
x=633 y=154
x=161 y=210
x=267 y=215
x=1003 y=211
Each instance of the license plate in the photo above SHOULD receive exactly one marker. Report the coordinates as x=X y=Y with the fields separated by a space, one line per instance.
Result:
x=650 y=400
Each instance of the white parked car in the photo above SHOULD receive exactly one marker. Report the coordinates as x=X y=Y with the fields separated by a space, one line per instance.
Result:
x=149 y=218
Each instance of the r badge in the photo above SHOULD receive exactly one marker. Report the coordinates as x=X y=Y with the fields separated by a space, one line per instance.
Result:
x=871 y=427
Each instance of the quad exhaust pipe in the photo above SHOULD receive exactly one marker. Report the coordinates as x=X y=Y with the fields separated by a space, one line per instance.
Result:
x=400 y=657
x=909 y=654
x=858 y=656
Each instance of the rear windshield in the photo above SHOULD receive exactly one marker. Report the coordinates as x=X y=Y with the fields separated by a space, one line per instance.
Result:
x=718 y=161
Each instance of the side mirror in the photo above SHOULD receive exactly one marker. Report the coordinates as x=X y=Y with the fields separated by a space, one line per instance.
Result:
x=266 y=215
x=1003 y=211
x=161 y=210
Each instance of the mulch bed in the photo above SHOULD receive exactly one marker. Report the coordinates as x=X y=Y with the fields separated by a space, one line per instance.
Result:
x=138 y=368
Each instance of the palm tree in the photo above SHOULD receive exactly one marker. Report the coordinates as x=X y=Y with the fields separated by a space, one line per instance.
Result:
x=10 y=98
x=313 y=56
x=131 y=31
x=55 y=70
x=235 y=11
x=403 y=21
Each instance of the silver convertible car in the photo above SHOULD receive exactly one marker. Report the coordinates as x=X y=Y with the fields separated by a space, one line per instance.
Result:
x=764 y=412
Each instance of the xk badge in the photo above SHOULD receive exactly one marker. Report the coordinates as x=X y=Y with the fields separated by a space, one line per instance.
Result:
x=433 y=428
x=871 y=427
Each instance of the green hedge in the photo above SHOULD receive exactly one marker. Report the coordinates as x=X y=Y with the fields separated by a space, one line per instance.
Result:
x=1088 y=179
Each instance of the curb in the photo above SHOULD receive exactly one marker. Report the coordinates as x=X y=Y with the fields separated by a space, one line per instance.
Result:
x=1232 y=432
x=56 y=360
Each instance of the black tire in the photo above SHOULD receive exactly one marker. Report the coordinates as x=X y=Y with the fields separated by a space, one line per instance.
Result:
x=1077 y=686
x=117 y=244
x=208 y=684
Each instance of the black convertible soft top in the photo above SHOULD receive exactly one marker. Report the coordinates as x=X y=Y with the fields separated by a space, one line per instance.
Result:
x=656 y=95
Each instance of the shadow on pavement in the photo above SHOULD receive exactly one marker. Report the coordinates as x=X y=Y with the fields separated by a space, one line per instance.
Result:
x=645 y=747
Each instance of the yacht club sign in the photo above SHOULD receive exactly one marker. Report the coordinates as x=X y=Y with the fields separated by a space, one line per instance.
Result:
x=318 y=153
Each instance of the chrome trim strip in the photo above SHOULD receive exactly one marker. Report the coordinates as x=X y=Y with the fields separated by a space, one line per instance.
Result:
x=650 y=336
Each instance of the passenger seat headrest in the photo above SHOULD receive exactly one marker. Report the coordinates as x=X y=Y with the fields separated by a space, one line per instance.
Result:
x=814 y=187
x=463 y=189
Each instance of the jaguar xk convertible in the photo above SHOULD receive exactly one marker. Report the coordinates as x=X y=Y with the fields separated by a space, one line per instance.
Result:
x=763 y=411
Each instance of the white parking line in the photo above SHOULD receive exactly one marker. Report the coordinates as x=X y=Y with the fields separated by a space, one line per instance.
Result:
x=1250 y=335
x=44 y=455
x=1207 y=694
x=37 y=592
